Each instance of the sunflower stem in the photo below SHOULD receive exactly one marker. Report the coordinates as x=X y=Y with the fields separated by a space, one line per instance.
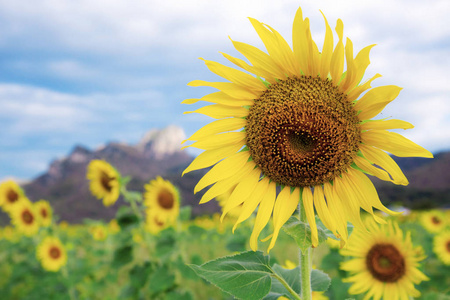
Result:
x=305 y=260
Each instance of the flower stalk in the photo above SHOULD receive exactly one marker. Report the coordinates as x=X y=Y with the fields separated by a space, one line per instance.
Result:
x=305 y=261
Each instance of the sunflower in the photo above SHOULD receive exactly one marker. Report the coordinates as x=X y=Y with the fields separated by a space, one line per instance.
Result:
x=25 y=217
x=154 y=223
x=104 y=181
x=384 y=264
x=433 y=221
x=299 y=123
x=99 y=232
x=52 y=254
x=10 y=194
x=441 y=246
x=45 y=212
x=162 y=198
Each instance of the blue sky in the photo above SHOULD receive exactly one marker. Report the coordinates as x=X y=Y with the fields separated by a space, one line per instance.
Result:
x=92 y=71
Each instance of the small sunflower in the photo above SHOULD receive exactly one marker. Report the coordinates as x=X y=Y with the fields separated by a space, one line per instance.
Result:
x=153 y=223
x=45 y=212
x=163 y=199
x=295 y=120
x=384 y=264
x=113 y=226
x=52 y=254
x=10 y=194
x=433 y=221
x=25 y=217
x=99 y=232
x=441 y=246
x=104 y=181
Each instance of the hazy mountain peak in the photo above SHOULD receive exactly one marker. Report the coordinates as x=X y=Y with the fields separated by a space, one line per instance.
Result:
x=159 y=143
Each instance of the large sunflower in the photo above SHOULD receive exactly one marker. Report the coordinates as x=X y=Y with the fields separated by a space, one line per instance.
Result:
x=162 y=197
x=384 y=264
x=299 y=122
x=104 y=181
x=25 y=217
x=52 y=254
x=45 y=212
x=10 y=194
x=441 y=246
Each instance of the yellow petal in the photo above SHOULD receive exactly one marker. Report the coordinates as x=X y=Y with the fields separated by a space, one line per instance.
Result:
x=386 y=124
x=263 y=216
x=285 y=206
x=351 y=205
x=350 y=74
x=211 y=157
x=322 y=209
x=252 y=202
x=336 y=210
x=383 y=160
x=370 y=169
x=327 y=50
x=220 y=111
x=307 y=199
x=224 y=169
x=243 y=79
x=216 y=127
x=394 y=143
x=225 y=185
x=375 y=100
x=252 y=69
x=229 y=88
x=300 y=42
x=361 y=63
x=337 y=58
x=357 y=91
x=242 y=191
x=219 y=140
x=220 y=98
x=260 y=60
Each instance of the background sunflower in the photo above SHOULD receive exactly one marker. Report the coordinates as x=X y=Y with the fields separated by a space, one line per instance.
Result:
x=10 y=194
x=441 y=246
x=25 y=217
x=104 y=181
x=52 y=254
x=163 y=199
x=45 y=212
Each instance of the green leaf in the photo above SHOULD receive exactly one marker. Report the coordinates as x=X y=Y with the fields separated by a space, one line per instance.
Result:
x=165 y=243
x=139 y=274
x=162 y=279
x=185 y=213
x=178 y=295
x=126 y=217
x=185 y=270
x=122 y=256
x=301 y=233
x=236 y=242
x=320 y=281
x=290 y=276
x=245 y=276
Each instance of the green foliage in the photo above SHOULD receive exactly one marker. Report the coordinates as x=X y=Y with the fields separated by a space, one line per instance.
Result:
x=290 y=276
x=320 y=281
x=126 y=218
x=301 y=233
x=122 y=256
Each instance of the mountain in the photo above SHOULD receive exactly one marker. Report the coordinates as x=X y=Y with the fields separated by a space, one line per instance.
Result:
x=158 y=153
x=65 y=185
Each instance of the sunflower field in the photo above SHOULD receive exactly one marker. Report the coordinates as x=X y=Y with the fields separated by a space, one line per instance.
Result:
x=145 y=255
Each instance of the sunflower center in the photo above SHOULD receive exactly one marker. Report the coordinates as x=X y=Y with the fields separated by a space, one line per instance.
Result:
x=385 y=263
x=27 y=217
x=12 y=196
x=54 y=252
x=105 y=181
x=165 y=199
x=44 y=213
x=448 y=246
x=302 y=132
x=436 y=220
x=158 y=222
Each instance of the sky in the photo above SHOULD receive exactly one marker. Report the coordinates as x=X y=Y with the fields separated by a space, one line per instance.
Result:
x=88 y=72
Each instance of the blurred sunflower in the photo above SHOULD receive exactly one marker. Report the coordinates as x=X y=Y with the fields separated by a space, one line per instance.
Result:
x=433 y=220
x=298 y=123
x=52 y=254
x=113 y=226
x=25 y=217
x=45 y=212
x=10 y=194
x=99 y=232
x=104 y=181
x=384 y=264
x=153 y=223
x=162 y=198
x=441 y=246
